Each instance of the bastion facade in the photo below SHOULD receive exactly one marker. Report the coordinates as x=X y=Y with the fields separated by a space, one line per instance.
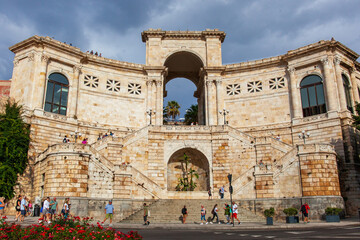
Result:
x=268 y=103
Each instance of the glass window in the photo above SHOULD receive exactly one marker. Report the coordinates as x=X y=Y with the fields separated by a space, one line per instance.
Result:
x=312 y=96
x=57 y=94
x=347 y=93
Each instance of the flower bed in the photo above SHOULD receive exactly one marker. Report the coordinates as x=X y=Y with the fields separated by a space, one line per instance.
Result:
x=63 y=229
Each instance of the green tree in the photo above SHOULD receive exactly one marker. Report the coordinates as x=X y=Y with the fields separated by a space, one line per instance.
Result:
x=172 y=109
x=191 y=114
x=14 y=146
x=186 y=183
x=356 y=118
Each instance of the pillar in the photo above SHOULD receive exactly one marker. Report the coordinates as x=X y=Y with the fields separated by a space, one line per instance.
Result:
x=354 y=85
x=159 y=103
x=219 y=102
x=209 y=102
x=339 y=80
x=149 y=105
x=329 y=86
x=74 y=92
x=296 y=106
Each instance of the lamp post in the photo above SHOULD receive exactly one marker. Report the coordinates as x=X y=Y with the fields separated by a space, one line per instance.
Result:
x=224 y=112
x=150 y=112
x=303 y=135
x=76 y=135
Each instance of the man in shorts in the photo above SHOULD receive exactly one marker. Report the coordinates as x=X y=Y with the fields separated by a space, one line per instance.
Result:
x=235 y=213
x=22 y=209
x=305 y=211
x=53 y=208
x=146 y=213
x=46 y=210
x=109 y=211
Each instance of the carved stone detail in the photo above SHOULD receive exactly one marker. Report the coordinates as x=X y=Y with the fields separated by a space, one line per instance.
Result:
x=337 y=60
x=291 y=69
x=31 y=57
x=325 y=61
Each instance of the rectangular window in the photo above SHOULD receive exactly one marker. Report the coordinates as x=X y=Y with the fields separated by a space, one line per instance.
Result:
x=57 y=92
x=304 y=98
x=312 y=96
x=320 y=94
x=49 y=92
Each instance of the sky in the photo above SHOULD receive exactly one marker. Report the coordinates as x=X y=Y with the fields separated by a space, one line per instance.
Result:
x=255 y=29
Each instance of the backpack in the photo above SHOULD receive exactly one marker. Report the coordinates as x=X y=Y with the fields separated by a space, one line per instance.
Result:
x=183 y=211
x=303 y=208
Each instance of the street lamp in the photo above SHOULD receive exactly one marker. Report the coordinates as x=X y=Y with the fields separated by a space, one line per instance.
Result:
x=224 y=112
x=150 y=112
x=76 y=135
x=303 y=135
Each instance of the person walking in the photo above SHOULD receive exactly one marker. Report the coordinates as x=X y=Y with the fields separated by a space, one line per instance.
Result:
x=305 y=211
x=22 y=209
x=65 y=209
x=53 y=208
x=2 y=206
x=17 y=208
x=30 y=208
x=109 y=211
x=209 y=193
x=235 y=213
x=184 y=214
x=146 y=213
x=222 y=192
x=227 y=213
x=203 y=215
x=215 y=214
x=46 y=210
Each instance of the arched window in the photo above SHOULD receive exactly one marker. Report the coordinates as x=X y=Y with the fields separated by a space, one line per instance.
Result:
x=57 y=94
x=312 y=96
x=347 y=92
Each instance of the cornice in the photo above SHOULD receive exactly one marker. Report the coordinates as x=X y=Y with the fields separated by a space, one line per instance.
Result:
x=197 y=35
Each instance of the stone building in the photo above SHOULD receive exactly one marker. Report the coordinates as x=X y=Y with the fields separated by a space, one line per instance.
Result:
x=270 y=107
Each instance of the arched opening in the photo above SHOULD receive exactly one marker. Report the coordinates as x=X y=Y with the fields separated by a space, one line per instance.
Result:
x=57 y=90
x=186 y=65
x=312 y=96
x=197 y=161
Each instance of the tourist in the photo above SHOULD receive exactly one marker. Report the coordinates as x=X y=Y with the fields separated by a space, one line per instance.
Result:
x=111 y=133
x=109 y=211
x=235 y=213
x=99 y=138
x=305 y=211
x=53 y=208
x=30 y=208
x=222 y=192
x=66 y=140
x=277 y=137
x=46 y=210
x=85 y=141
x=2 y=206
x=209 y=193
x=215 y=214
x=203 y=215
x=184 y=214
x=105 y=135
x=65 y=209
x=227 y=212
x=23 y=209
x=146 y=213
x=17 y=208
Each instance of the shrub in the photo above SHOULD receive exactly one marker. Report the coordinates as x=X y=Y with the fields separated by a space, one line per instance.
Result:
x=269 y=212
x=290 y=211
x=64 y=229
x=332 y=211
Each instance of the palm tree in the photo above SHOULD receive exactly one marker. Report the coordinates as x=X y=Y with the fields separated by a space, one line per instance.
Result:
x=172 y=109
x=191 y=114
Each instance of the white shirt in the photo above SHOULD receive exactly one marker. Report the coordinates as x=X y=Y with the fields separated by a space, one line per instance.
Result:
x=235 y=209
x=46 y=204
x=66 y=206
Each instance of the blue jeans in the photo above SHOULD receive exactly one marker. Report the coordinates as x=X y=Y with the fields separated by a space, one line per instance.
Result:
x=203 y=217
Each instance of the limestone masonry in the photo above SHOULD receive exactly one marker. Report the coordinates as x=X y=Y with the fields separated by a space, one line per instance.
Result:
x=310 y=90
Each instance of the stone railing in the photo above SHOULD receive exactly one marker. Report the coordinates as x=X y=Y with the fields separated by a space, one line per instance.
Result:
x=133 y=137
x=63 y=148
x=233 y=132
x=277 y=144
x=285 y=162
x=315 y=148
x=243 y=180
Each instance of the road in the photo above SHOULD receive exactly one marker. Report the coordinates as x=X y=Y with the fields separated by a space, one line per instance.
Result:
x=343 y=232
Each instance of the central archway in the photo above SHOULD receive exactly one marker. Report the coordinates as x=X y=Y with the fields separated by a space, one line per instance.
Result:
x=198 y=162
x=185 y=64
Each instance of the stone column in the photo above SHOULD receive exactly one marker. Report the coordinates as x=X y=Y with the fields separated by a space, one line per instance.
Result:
x=296 y=105
x=149 y=84
x=339 y=80
x=209 y=103
x=75 y=91
x=329 y=86
x=354 y=85
x=42 y=83
x=219 y=101
x=159 y=103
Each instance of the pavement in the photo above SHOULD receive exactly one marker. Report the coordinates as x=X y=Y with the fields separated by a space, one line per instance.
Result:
x=196 y=226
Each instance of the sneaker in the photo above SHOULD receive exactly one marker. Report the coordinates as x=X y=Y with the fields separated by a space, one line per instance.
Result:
x=206 y=223
x=219 y=222
x=201 y=224
x=239 y=223
x=211 y=222
x=148 y=223
x=49 y=222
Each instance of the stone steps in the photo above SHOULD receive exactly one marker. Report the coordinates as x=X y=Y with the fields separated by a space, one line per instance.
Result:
x=169 y=211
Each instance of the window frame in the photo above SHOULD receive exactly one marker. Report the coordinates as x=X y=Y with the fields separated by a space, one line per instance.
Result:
x=347 y=89
x=318 y=108
x=62 y=85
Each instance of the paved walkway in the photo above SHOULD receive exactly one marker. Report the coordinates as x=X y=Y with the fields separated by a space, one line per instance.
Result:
x=191 y=226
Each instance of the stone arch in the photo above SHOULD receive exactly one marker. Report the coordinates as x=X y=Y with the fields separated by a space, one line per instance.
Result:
x=198 y=161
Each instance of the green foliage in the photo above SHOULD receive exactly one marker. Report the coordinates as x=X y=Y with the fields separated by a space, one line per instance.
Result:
x=356 y=118
x=186 y=182
x=269 y=212
x=14 y=146
x=332 y=211
x=191 y=114
x=290 y=211
x=172 y=109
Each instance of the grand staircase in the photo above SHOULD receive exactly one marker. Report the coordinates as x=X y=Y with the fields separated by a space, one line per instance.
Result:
x=169 y=211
